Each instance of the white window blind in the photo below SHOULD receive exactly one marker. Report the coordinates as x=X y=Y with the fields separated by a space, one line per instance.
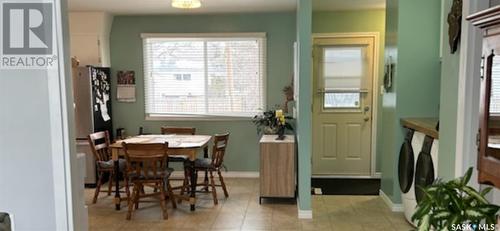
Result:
x=343 y=67
x=204 y=75
x=343 y=72
x=495 y=87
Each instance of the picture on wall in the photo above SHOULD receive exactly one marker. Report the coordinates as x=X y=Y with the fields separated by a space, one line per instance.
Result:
x=126 y=77
x=125 y=90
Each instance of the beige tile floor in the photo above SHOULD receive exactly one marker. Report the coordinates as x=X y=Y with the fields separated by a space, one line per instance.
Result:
x=241 y=211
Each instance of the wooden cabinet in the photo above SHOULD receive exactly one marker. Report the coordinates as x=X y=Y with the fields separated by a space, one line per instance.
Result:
x=277 y=167
x=489 y=112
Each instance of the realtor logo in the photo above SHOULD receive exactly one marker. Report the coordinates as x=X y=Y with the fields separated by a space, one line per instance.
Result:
x=27 y=35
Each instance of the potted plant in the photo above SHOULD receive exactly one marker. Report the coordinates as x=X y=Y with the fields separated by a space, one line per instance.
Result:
x=272 y=122
x=454 y=205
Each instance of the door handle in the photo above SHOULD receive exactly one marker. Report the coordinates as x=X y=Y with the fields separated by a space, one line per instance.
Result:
x=367 y=108
x=366 y=119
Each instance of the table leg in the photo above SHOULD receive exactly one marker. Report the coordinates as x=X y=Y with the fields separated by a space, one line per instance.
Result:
x=194 y=180
x=117 y=184
x=205 y=155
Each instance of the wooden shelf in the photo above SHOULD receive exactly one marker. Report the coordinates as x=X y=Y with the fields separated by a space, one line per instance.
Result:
x=423 y=125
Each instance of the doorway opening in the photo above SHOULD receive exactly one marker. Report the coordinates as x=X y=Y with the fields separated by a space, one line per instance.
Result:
x=345 y=79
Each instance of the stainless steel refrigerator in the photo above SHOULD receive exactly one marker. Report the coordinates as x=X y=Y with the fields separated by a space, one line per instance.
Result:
x=92 y=103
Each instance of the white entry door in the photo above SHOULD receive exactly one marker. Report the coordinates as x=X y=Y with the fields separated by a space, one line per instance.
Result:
x=342 y=105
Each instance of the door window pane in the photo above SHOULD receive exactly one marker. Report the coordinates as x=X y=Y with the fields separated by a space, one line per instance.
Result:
x=343 y=67
x=341 y=100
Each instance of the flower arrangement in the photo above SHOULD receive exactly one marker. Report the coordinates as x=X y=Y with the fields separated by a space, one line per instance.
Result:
x=272 y=122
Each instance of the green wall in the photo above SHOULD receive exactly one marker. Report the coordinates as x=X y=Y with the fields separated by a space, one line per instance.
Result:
x=412 y=40
x=387 y=130
x=449 y=104
x=356 y=21
x=126 y=54
x=304 y=116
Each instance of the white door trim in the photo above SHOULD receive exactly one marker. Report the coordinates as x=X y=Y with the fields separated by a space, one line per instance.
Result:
x=60 y=124
x=468 y=91
x=375 y=85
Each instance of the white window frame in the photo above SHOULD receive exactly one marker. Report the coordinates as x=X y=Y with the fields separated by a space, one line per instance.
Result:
x=202 y=36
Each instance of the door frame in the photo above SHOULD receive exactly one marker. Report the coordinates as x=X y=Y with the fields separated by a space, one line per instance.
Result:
x=375 y=96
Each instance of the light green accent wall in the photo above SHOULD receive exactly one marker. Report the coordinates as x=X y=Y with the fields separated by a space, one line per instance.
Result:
x=449 y=104
x=412 y=39
x=356 y=21
x=127 y=54
x=304 y=120
x=387 y=130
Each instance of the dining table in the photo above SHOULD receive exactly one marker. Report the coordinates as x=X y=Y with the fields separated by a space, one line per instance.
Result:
x=188 y=146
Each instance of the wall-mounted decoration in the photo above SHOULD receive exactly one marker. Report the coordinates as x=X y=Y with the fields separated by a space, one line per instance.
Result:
x=389 y=74
x=455 y=25
x=125 y=91
x=288 y=91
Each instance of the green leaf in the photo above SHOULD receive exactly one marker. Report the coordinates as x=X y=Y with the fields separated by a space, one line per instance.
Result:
x=472 y=192
x=473 y=214
x=422 y=211
x=424 y=224
x=489 y=209
x=454 y=199
x=486 y=191
x=466 y=177
x=452 y=220
x=441 y=215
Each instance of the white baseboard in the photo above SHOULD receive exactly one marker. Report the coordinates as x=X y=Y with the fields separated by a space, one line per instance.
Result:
x=303 y=214
x=229 y=174
x=392 y=206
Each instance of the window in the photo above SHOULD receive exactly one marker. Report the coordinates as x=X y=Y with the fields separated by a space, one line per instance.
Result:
x=204 y=75
x=343 y=72
x=182 y=76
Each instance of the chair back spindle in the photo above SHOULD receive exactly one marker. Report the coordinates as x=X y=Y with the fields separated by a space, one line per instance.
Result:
x=146 y=160
x=219 y=149
x=99 y=144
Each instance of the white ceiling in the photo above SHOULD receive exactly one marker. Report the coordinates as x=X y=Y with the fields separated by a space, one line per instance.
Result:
x=164 y=7
x=336 y=5
x=216 y=6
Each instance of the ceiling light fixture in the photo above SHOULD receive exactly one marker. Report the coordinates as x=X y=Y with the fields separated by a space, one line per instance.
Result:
x=186 y=4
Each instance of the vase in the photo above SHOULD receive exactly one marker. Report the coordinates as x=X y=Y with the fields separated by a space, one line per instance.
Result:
x=281 y=133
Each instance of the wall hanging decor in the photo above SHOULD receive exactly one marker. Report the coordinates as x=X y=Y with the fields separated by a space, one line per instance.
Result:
x=455 y=25
x=125 y=90
x=289 y=95
x=389 y=74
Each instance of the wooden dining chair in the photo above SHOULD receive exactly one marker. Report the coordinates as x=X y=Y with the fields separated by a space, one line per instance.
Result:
x=166 y=130
x=213 y=164
x=99 y=144
x=147 y=165
x=169 y=130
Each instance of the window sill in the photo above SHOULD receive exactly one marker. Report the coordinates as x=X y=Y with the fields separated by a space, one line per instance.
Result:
x=195 y=118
